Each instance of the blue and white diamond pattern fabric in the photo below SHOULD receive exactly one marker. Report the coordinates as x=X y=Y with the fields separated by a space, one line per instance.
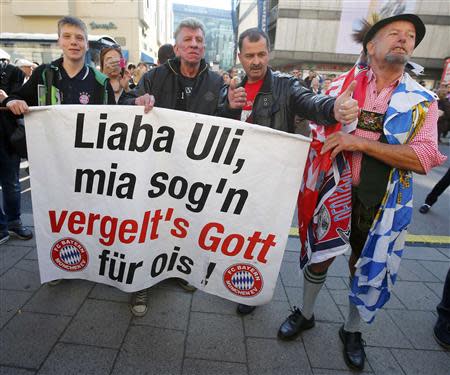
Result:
x=70 y=255
x=376 y=270
x=243 y=280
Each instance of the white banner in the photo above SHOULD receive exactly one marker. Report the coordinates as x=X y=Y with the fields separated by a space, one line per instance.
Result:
x=129 y=199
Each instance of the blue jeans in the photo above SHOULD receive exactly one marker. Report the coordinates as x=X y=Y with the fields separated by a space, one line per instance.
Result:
x=9 y=181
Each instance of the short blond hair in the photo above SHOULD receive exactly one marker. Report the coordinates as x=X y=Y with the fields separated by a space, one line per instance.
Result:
x=74 y=21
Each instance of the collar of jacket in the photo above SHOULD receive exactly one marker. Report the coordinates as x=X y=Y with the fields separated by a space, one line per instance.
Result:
x=174 y=65
x=56 y=64
x=99 y=76
x=267 y=84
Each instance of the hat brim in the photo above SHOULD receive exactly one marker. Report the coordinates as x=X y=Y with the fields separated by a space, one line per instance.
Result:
x=415 y=20
x=4 y=55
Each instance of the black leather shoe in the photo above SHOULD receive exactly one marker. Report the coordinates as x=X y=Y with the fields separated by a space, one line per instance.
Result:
x=424 y=208
x=354 y=354
x=441 y=332
x=245 y=309
x=294 y=325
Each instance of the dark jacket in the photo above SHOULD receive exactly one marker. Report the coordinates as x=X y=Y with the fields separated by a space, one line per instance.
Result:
x=162 y=82
x=48 y=76
x=11 y=79
x=280 y=98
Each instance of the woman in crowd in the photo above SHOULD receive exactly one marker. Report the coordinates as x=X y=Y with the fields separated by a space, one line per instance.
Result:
x=113 y=65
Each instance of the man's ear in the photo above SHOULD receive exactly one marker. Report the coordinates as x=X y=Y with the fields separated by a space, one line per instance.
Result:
x=370 y=48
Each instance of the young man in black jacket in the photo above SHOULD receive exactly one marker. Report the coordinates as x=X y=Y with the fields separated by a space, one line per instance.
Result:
x=273 y=99
x=68 y=80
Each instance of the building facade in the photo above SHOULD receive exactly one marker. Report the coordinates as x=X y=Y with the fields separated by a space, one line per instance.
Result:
x=308 y=34
x=139 y=26
x=219 y=32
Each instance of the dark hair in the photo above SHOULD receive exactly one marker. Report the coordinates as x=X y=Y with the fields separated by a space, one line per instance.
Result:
x=254 y=34
x=105 y=51
x=131 y=66
x=74 y=21
x=165 y=53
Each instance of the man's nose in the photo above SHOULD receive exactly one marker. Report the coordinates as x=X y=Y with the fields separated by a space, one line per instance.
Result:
x=194 y=43
x=402 y=37
x=256 y=60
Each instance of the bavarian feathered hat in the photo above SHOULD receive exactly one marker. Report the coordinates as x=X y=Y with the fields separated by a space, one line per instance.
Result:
x=369 y=29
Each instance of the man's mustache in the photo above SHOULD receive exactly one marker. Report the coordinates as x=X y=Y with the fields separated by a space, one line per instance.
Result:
x=255 y=67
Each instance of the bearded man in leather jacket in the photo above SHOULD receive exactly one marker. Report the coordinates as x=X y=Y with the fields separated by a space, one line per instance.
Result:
x=273 y=99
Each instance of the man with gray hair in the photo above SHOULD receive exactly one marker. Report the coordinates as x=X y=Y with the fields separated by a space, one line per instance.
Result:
x=184 y=83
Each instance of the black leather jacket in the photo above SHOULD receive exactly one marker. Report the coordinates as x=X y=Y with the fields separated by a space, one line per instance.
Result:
x=162 y=82
x=280 y=98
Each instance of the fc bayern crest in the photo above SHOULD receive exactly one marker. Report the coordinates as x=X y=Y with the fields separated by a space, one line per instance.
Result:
x=243 y=279
x=69 y=255
x=84 y=98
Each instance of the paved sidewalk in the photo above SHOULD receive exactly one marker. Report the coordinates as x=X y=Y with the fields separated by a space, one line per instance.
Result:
x=79 y=327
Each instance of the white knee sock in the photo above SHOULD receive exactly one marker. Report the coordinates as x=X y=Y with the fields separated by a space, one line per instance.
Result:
x=312 y=284
x=352 y=324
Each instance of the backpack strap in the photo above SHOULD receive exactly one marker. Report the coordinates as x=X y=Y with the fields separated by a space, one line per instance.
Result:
x=49 y=74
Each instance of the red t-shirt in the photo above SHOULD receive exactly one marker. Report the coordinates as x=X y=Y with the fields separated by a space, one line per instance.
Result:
x=251 y=90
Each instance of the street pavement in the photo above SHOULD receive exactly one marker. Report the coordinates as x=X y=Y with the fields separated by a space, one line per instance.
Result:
x=79 y=327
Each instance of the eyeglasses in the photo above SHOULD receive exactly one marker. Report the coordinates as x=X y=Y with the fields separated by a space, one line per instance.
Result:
x=113 y=46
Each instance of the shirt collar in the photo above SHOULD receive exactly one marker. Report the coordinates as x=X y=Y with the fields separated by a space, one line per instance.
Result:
x=371 y=77
x=80 y=76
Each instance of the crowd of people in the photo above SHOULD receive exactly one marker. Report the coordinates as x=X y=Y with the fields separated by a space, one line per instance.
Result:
x=348 y=126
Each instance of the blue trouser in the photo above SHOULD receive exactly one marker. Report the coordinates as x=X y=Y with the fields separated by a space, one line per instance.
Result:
x=9 y=181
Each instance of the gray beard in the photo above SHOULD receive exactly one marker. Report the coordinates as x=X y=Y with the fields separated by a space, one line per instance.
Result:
x=396 y=59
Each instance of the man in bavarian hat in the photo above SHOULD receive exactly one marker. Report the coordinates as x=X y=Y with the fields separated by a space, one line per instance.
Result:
x=365 y=197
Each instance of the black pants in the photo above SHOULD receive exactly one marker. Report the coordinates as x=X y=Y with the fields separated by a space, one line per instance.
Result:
x=438 y=189
x=443 y=308
x=362 y=219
